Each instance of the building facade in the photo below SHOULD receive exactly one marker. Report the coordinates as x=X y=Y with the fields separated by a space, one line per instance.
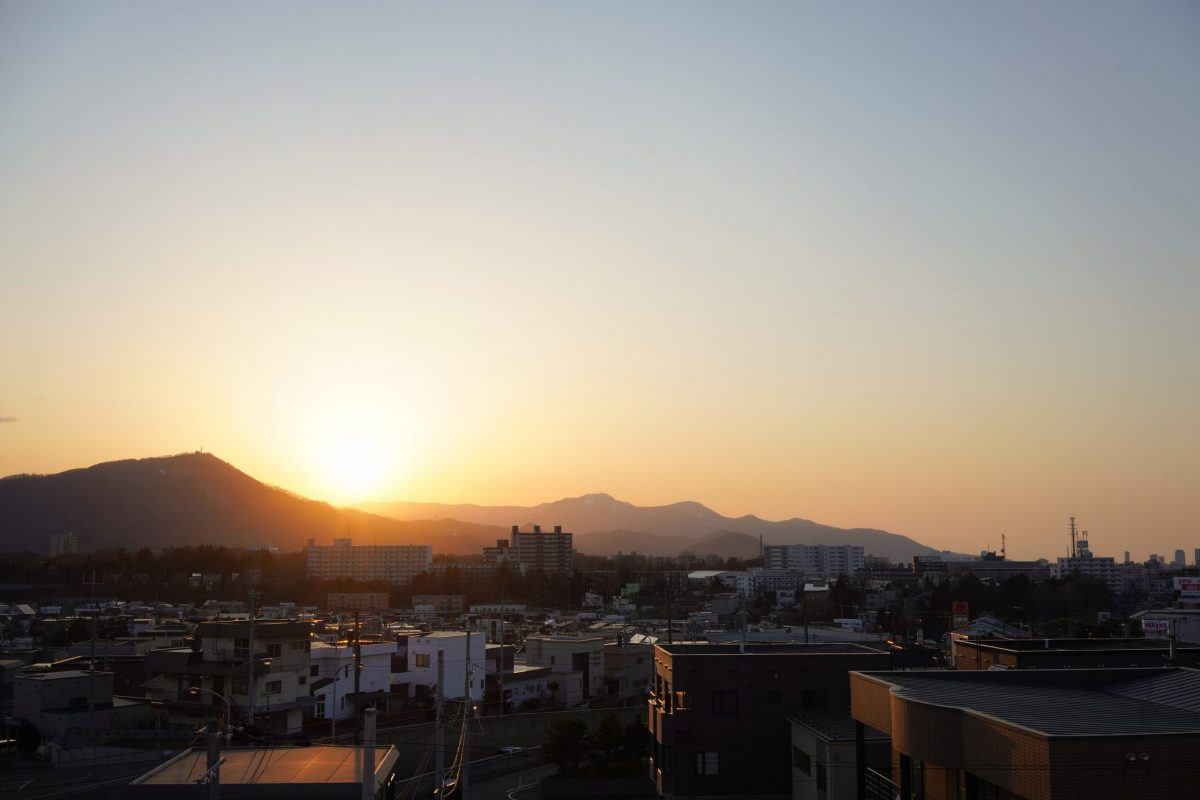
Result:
x=395 y=564
x=551 y=552
x=815 y=560
x=719 y=713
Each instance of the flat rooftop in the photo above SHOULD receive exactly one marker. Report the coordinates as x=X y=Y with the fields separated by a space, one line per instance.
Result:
x=320 y=764
x=771 y=648
x=1069 y=645
x=1085 y=702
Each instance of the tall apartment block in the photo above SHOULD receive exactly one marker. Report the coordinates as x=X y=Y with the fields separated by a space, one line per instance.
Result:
x=824 y=560
x=396 y=564
x=550 y=552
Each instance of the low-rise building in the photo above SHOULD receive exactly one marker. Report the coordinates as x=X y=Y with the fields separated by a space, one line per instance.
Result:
x=74 y=707
x=567 y=654
x=423 y=662
x=1037 y=734
x=628 y=670
x=984 y=654
x=719 y=713
x=266 y=686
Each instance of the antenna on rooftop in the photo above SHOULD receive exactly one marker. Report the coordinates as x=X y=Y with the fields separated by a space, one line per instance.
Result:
x=1074 y=534
x=1003 y=547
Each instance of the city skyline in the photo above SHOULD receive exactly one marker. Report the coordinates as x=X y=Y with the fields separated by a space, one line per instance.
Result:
x=929 y=270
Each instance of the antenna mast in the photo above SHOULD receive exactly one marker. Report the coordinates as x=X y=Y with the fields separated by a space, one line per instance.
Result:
x=1003 y=547
x=1074 y=534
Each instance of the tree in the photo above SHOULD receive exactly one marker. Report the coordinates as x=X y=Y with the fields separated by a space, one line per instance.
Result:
x=566 y=743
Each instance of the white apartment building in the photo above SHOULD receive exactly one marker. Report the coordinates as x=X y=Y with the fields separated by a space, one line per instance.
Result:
x=1103 y=568
x=423 y=662
x=823 y=560
x=331 y=676
x=396 y=564
x=551 y=552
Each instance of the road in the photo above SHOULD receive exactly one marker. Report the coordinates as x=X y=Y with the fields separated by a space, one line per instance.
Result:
x=498 y=788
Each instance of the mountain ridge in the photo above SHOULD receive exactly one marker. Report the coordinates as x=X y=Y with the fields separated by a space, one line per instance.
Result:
x=196 y=498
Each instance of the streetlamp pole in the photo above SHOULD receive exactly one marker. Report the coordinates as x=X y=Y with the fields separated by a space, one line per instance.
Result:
x=198 y=690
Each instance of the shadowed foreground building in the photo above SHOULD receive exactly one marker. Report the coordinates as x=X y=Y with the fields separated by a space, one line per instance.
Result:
x=719 y=713
x=272 y=773
x=1080 y=734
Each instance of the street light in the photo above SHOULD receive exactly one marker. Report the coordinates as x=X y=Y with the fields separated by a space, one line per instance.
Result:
x=196 y=691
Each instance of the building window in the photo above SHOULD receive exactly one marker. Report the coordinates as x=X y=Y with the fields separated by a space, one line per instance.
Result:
x=274 y=687
x=421 y=659
x=275 y=650
x=707 y=764
x=320 y=707
x=681 y=701
x=724 y=703
x=241 y=649
x=814 y=698
x=314 y=671
x=801 y=761
x=302 y=680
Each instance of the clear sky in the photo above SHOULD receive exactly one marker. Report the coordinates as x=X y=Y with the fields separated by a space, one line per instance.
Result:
x=932 y=268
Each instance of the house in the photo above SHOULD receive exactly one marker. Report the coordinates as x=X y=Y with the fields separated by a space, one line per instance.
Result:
x=337 y=693
x=423 y=663
x=628 y=670
x=266 y=687
x=570 y=654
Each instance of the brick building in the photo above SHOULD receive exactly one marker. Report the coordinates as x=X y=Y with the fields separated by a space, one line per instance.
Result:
x=1033 y=734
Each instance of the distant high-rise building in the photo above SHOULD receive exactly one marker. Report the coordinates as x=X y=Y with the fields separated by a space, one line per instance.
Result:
x=1196 y=557
x=1180 y=559
x=823 y=560
x=1127 y=556
x=550 y=552
x=395 y=564
x=63 y=543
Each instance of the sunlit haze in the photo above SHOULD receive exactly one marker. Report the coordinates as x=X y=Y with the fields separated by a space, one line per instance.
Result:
x=931 y=269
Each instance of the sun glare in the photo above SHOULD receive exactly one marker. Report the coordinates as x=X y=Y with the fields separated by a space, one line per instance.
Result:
x=353 y=468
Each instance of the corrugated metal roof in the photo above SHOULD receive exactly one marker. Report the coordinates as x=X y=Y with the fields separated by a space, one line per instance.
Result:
x=1139 y=707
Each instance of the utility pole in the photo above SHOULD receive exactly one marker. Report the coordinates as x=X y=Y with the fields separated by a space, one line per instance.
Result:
x=368 y=755
x=466 y=751
x=214 y=762
x=439 y=740
x=357 y=680
x=251 y=684
x=500 y=668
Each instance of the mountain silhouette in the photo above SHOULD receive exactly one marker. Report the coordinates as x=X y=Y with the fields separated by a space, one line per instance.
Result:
x=197 y=499
x=603 y=525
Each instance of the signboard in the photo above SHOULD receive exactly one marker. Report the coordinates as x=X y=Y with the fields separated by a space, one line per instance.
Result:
x=1188 y=587
x=960 y=612
x=1156 y=628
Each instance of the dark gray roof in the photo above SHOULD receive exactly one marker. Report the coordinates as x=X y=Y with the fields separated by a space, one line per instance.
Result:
x=833 y=726
x=779 y=648
x=1142 y=706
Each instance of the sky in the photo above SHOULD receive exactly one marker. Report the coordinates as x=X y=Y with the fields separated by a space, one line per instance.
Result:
x=932 y=268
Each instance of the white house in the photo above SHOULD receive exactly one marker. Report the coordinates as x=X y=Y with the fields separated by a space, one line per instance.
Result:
x=423 y=662
x=332 y=676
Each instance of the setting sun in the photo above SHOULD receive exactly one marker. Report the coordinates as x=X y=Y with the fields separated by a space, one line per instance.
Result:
x=353 y=468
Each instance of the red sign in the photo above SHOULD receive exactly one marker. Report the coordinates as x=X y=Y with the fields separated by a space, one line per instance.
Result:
x=961 y=613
